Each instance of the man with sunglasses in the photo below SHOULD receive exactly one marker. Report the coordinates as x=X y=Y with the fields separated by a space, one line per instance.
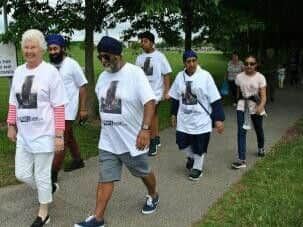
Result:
x=75 y=86
x=126 y=104
x=157 y=69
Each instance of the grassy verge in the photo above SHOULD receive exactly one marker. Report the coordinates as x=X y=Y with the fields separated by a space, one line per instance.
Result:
x=270 y=194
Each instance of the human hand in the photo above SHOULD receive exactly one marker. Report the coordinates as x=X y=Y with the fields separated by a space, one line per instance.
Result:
x=166 y=96
x=259 y=109
x=83 y=116
x=59 y=143
x=219 y=126
x=143 y=139
x=12 y=133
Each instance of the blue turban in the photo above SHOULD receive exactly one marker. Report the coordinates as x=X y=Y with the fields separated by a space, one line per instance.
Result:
x=189 y=54
x=109 y=45
x=55 y=39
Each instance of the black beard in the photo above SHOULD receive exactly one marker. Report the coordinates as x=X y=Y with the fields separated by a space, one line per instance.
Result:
x=56 y=58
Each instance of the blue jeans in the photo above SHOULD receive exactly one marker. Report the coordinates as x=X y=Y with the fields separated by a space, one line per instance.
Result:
x=257 y=121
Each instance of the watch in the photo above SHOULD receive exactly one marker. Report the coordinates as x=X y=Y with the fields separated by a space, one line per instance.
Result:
x=145 y=127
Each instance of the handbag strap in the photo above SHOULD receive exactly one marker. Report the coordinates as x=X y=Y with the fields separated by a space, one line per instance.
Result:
x=204 y=108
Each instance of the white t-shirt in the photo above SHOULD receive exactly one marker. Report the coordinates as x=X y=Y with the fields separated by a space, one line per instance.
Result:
x=121 y=97
x=191 y=117
x=154 y=65
x=35 y=92
x=234 y=69
x=249 y=85
x=73 y=78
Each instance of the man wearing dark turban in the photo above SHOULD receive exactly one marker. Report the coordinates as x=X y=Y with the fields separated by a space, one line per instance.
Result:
x=196 y=104
x=75 y=86
x=127 y=105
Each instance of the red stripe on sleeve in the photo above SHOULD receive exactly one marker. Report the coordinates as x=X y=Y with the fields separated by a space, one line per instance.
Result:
x=11 y=116
x=59 y=118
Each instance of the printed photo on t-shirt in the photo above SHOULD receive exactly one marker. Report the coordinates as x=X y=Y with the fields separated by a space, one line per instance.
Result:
x=148 y=67
x=26 y=99
x=111 y=104
x=188 y=98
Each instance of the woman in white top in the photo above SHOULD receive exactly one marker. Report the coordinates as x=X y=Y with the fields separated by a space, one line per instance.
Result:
x=234 y=67
x=251 y=101
x=36 y=120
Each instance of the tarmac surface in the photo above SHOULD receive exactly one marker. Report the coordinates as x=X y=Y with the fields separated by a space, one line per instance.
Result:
x=182 y=202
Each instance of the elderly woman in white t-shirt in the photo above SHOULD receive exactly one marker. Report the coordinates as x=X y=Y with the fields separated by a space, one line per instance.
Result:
x=251 y=101
x=234 y=67
x=36 y=120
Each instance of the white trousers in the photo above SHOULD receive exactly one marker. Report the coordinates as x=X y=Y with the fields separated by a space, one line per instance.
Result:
x=34 y=169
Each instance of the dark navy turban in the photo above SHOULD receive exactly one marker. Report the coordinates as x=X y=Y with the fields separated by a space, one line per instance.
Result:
x=189 y=54
x=109 y=45
x=55 y=39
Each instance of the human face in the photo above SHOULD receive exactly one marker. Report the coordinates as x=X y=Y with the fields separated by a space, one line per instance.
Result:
x=146 y=45
x=191 y=65
x=32 y=53
x=109 y=61
x=250 y=65
x=56 y=53
x=234 y=58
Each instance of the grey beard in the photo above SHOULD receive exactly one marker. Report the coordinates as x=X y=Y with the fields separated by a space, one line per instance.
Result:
x=108 y=69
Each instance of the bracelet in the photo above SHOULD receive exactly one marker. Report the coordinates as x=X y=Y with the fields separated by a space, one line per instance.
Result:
x=59 y=137
x=84 y=110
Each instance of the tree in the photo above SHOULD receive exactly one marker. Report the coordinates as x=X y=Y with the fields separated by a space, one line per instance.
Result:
x=169 y=18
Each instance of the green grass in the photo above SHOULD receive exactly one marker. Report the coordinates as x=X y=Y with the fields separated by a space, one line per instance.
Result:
x=89 y=135
x=270 y=194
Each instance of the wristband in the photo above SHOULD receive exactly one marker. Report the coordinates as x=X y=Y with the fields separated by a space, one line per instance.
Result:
x=59 y=137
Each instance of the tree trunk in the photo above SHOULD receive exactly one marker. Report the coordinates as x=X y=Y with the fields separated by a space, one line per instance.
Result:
x=187 y=13
x=89 y=62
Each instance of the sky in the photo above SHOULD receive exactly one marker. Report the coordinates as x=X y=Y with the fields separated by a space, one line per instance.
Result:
x=79 y=35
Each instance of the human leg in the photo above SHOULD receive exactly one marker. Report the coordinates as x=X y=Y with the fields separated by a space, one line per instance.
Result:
x=241 y=139
x=73 y=146
x=24 y=166
x=258 y=126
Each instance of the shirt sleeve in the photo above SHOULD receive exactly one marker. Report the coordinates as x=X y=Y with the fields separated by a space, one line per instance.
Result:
x=12 y=94
x=57 y=91
x=174 y=91
x=237 y=80
x=165 y=66
x=143 y=87
x=212 y=90
x=78 y=75
x=262 y=82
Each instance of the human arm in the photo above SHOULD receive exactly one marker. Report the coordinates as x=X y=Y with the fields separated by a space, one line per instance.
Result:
x=261 y=105
x=11 y=123
x=83 y=112
x=143 y=137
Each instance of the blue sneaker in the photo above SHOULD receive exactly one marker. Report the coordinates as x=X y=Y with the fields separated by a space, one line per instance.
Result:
x=91 y=221
x=150 y=205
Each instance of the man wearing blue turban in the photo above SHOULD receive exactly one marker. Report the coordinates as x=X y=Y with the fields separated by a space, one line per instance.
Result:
x=75 y=86
x=196 y=107
x=127 y=105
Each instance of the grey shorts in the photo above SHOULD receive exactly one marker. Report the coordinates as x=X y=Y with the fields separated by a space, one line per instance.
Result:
x=111 y=165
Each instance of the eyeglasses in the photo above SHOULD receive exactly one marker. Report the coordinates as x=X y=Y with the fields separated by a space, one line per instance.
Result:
x=250 y=63
x=105 y=56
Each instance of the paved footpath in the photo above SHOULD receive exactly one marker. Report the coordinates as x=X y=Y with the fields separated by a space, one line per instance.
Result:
x=182 y=202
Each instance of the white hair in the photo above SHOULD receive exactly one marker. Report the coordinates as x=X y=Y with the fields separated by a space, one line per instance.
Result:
x=34 y=35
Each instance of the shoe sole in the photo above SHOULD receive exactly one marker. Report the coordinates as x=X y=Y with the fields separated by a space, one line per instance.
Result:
x=238 y=167
x=152 y=211
x=195 y=178
x=48 y=220
x=67 y=170
x=76 y=225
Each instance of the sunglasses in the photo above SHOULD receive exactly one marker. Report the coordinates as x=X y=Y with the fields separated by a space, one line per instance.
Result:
x=250 y=63
x=105 y=56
